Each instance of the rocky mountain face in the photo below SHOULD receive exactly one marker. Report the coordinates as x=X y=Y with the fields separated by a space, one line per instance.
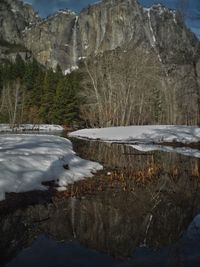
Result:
x=15 y=17
x=53 y=40
x=112 y=24
x=108 y=25
x=65 y=38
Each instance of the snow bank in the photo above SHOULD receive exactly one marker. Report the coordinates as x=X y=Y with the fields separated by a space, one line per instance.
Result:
x=142 y=134
x=31 y=127
x=28 y=160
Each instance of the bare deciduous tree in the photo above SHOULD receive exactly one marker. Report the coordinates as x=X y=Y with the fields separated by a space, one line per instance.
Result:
x=119 y=89
x=12 y=102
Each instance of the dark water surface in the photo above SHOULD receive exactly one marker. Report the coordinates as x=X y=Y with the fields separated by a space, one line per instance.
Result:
x=142 y=210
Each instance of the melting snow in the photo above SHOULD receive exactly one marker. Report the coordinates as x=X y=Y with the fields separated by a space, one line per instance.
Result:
x=69 y=70
x=28 y=160
x=86 y=46
x=82 y=58
x=144 y=136
x=66 y=12
x=148 y=133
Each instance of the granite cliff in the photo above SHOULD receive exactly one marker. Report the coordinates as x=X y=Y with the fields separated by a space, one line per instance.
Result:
x=15 y=17
x=64 y=37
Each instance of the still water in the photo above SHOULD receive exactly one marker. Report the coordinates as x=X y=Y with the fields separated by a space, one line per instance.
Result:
x=142 y=210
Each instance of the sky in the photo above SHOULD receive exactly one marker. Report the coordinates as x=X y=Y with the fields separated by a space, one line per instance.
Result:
x=47 y=7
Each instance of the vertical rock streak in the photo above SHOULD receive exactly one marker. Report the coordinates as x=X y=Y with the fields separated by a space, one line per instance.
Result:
x=174 y=17
x=153 y=38
x=152 y=35
x=74 y=44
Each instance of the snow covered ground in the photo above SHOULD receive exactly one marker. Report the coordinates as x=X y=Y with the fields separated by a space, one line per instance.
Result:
x=28 y=160
x=31 y=127
x=143 y=138
x=142 y=134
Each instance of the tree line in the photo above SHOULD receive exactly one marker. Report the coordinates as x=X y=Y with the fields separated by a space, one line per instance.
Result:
x=132 y=87
x=117 y=88
x=29 y=93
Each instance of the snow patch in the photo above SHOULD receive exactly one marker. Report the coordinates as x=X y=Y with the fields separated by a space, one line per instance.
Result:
x=143 y=134
x=70 y=70
x=13 y=10
x=143 y=138
x=31 y=127
x=28 y=160
x=81 y=58
x=157 y=7
x=66 y=12
x=86 y=45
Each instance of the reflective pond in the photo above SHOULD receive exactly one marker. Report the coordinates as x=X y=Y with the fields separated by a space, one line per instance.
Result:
x=141 y=210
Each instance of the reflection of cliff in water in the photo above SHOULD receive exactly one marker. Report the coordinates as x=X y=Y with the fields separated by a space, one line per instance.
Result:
x=115 y=221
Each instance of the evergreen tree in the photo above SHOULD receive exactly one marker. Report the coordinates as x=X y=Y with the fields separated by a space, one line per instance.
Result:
x=66 y=104
x=32 y=70
x=48 y=93
x=44 y=96
x=19 y=67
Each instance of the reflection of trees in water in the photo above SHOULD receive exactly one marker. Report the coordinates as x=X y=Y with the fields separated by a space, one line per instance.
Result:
x=127 y=159
x=114 y=218
x=161 y=189
x=113 y=222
